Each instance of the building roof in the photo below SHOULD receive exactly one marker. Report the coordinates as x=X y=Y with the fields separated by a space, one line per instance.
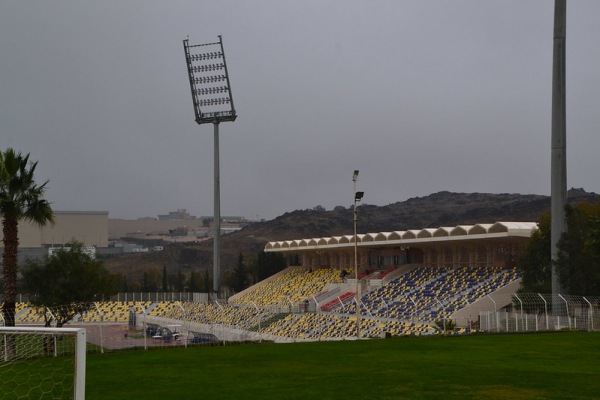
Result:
x=410 y=237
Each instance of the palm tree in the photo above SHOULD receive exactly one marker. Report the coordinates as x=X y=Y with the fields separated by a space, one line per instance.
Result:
x=20 y=199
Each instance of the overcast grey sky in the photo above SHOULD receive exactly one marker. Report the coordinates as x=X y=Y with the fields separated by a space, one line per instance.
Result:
x=420 y=96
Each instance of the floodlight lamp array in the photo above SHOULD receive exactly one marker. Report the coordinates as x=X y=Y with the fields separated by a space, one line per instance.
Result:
x=207 y=68
x=210 y=79
x=212 y=90
x=206 y=56
x=209 y=82
x=214 y=102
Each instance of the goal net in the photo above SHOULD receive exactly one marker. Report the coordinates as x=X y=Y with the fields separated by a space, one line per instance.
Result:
x=42 y=363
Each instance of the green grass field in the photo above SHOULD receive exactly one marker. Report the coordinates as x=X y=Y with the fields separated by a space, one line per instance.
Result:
x=38 y=374
x=534 y=366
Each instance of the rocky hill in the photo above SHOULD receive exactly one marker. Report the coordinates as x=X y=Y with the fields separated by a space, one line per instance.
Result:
x=433 y=211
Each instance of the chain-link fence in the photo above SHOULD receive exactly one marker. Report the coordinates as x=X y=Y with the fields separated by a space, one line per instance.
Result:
x=526 y=312
x=119 y=325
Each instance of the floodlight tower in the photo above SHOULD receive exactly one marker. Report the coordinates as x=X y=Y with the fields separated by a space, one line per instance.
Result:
x=213 y=104
x=558 y=189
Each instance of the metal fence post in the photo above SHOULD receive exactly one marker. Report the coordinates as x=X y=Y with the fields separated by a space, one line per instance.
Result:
x=545 y=310
x=517 y=297
x=495 y=314
x=590 y=315
x=101 y=321
x=566 y=305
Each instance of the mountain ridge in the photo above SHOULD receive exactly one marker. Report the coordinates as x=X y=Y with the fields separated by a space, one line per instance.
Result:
x=432 y=211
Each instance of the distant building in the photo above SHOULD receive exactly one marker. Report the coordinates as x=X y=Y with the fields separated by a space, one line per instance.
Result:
x=89 y=250
x=237 y=220
x=176 y=224
x=181 y=213
x=87 y=227
x=120 y=228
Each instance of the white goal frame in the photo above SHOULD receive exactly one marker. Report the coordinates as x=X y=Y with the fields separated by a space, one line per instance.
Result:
x=79 y=334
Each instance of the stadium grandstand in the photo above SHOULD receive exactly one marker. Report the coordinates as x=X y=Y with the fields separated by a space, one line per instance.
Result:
x=407 y=282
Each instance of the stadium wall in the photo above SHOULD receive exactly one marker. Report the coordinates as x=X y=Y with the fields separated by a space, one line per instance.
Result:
x=223 y=333
x=471 y=312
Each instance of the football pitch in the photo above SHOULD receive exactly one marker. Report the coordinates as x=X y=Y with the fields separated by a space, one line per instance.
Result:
x=563 y=365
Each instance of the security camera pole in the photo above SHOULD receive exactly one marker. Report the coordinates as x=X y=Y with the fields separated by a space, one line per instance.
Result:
x=213 y=103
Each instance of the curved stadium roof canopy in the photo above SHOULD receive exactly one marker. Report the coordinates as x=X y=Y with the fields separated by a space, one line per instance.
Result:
x=499 y=230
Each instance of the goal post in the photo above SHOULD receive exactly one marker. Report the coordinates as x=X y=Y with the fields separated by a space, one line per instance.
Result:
x=39 y=363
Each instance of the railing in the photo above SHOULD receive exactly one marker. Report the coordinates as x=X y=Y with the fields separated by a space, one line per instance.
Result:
x=119 y=325
x=526 y=312
x=163 y=296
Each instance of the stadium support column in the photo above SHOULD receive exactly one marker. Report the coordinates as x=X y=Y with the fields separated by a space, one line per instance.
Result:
x=559 y=142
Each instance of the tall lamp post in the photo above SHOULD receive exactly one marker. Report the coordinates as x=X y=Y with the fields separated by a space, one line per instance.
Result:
x=357 y=197
x=213 y=104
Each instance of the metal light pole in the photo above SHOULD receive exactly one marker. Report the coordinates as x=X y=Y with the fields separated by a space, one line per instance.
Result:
x=213 y=103
x=357 y=197
x=558 y=189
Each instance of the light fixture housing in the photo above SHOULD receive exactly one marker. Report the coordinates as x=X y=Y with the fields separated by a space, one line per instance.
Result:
x=209 y=82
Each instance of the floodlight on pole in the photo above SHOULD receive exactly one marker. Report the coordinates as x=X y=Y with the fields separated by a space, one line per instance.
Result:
x=213 y=104
x=558 y=172
x=209 y=82
x=357 y=197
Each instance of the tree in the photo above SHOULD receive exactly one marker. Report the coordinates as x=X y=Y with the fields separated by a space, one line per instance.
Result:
x=20 y=199
x=165 y=286
x=205 y=284
x=145 y=282
x=535 y=263
x=593 y=241
x=179 y=283
x=192 y=283
x=445 y=325
x=578 y=263
x=268 y=264
x=238 y=279
x=66 y=283
x=150 y=280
